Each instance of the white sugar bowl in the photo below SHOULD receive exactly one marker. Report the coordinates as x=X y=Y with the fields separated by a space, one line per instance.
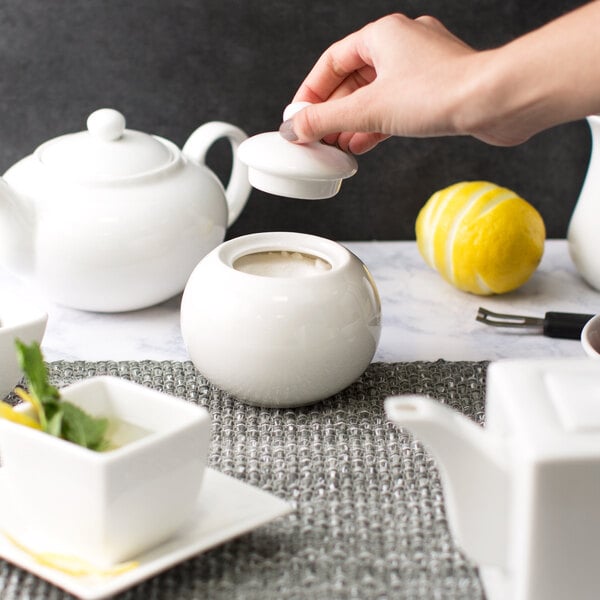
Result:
x=281 y=319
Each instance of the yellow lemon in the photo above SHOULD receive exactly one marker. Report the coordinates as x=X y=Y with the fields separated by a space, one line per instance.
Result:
x=481 y=237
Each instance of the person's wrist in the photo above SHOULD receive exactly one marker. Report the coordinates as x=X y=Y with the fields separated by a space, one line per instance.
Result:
x=506 y=99
x=484 y=94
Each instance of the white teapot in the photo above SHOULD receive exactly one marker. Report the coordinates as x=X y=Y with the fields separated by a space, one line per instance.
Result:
x=523 y=493
x=112 y=219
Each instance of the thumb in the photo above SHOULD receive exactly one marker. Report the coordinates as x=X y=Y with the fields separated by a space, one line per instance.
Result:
x=351 y=113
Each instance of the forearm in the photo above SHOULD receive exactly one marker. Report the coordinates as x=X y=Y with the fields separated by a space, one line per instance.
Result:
x=547 y=77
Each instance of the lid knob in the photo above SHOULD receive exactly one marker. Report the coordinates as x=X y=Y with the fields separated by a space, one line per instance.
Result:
x=293 y=108
x=106 y=124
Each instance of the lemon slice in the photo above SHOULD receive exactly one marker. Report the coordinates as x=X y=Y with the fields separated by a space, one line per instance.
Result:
x=71 y=565
x=480 y=237
x=10 y=414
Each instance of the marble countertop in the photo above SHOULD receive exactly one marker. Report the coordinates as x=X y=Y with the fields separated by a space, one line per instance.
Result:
x=424 y=318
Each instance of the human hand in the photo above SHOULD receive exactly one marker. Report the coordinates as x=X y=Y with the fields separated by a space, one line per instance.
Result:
x=398 y=76
x=395 y=76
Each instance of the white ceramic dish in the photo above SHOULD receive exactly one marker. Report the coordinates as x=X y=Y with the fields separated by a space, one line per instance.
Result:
x=312 y=171
x=105 y=507
x=19 y=319
x=111 y=219
x=226 y=508
x=590 y=337
x=274 y=340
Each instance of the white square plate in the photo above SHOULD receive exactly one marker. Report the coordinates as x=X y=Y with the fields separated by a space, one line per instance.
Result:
x=226 y=509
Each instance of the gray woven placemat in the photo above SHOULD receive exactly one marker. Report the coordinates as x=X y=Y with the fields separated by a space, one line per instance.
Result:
x=369 y=518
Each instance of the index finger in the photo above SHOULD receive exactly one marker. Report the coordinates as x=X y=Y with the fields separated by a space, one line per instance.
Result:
x=340 y=60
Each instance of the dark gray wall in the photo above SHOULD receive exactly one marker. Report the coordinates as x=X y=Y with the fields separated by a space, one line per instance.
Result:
x=172 y=65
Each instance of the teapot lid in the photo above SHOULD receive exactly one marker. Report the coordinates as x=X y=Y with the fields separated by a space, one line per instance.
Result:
x=311 y=171
x=106 y=150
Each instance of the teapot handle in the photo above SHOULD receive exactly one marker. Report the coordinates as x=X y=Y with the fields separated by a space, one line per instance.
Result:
x=238 y=189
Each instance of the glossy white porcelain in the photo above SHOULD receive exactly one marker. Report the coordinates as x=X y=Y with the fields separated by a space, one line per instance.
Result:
x=590 y=337
x=281 y=340
x=582 y=234
x=226 y=508
x=312 y=171
x=522 y=494
x=23 y=319
x=111 y=219
x=106 y=507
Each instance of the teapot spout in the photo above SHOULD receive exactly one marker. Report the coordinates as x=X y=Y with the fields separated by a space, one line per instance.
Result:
x=16 y=232
x=474 y=473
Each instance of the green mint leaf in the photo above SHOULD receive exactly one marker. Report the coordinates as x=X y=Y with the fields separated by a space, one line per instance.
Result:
x=81 y=428
x=32 y=363
x=54 y=426
x=58 y=418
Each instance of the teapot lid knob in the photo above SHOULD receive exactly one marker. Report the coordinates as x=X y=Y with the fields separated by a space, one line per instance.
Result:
x=293 y=108
x=106 y=124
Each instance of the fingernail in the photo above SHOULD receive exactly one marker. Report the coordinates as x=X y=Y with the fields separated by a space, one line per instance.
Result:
x=286 y=130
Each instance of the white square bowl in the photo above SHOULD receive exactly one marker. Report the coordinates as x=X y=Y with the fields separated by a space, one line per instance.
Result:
x=19 y=319
x=107 y=507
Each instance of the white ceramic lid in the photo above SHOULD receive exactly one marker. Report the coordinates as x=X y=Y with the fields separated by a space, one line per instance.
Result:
x=106 y=150
x=310 y=171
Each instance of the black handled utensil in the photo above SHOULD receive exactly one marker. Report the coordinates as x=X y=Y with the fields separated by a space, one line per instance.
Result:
x=553 y=324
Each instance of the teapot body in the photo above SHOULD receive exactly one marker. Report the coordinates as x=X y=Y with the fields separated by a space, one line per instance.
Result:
x=547 y=412
x=112 y=219
x=118 y=246
x=522 y=494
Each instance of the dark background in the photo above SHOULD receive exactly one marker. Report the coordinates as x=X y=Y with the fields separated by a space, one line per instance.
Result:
x=171 y=65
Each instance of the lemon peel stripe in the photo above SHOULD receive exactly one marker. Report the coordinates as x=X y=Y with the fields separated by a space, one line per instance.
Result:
x=7 y=412
x=71 y=565
x=484 y=288
x=497 y=196
x=35 y=403
x=458 y=219
x=501 y=197
x=430 y=226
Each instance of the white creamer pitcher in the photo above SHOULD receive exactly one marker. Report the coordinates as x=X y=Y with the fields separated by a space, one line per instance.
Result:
x=584 y=229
